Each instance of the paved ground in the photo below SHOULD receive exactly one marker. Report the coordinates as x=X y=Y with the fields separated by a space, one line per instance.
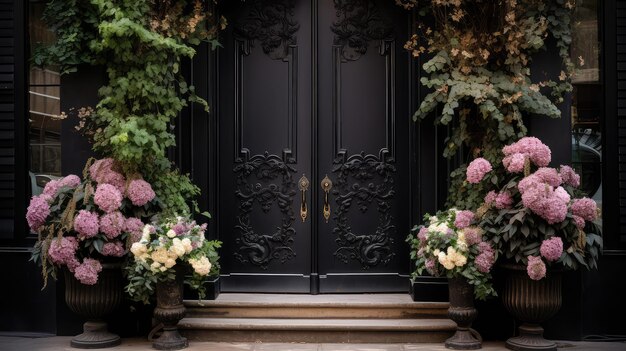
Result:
x=61 y=343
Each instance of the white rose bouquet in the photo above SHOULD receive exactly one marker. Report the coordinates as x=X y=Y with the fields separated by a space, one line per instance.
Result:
x=451 y=245
x=163 y=247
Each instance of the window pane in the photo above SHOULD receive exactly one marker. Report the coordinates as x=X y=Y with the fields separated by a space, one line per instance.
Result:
x=44 y=108
x=587 y=100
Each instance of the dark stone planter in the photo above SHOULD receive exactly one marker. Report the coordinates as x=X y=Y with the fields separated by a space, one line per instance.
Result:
x=462 y=311
x=429 y=289
x=212 y=285
x=169 y=311
x=531 y=302
x=95 y=302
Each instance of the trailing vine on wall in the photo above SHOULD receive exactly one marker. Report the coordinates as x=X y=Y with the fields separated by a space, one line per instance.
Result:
x=140 y=43
x=479 y=71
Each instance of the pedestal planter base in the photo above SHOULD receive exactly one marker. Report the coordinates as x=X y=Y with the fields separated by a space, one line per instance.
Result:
x=462 y=311
x=95 y=336
x=170 y=340
x=530 y=338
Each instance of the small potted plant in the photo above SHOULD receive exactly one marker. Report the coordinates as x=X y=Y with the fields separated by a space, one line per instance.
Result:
x=85 y=228
x=169 y=253
x=449 y=245
x=540 y=224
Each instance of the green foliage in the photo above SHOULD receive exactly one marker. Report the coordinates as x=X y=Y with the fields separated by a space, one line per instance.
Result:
x=141 y=44
x=480 y=78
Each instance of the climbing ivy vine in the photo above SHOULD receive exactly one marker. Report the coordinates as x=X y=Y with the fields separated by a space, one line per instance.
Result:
x=140 y=43
x=478 y=70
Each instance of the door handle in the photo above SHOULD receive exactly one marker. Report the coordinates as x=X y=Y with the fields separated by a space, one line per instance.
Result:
x=303 y=184
x=327 y=184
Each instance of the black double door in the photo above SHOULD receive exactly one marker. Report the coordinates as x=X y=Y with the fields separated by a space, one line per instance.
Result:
x=314 y=132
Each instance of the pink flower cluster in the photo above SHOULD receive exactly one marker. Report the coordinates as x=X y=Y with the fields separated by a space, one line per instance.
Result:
x=569 y=176
x=543 y=199
x=536 y=269
x=463 y=219
x=477 y=169
x=528 y=147
x=473 y=235
x=503 y=200
x=86 y=224
x=37 y=212
x=112 y=224
x=114 y=249
x=421 y=235
x=63 y=252
x=585 y=208
x=53 y=186
x=87 y=272
x=486 y=258
x=134 y=227
x=140 y=192
x=551 y=249
x=103 y=172
x=107 y=197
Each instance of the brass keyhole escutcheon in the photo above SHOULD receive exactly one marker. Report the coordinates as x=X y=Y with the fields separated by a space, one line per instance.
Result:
x=327 y=184
x=303 y=184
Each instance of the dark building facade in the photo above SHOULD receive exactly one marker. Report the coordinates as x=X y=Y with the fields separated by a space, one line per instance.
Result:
x=312 y=110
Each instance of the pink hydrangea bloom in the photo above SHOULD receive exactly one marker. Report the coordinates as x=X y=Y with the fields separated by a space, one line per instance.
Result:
x=490 y=197
x=569 y=176
x=579 y=222
x=504 y=200
x=112 y=224
x=484 y=261
x=473 y=235
x=114 y=248
x=71 y=181
x=63 y=251
x=102 y=171
x=529 y=182
x=52 y=187
x=549 y=176
x=485 y=247
x=551 y=249
x=421 y=235
x=37 y=212
x=477 y=169
x=514 y=163
x=585 y=208
x=134 y=227
x=87 y=272
x=552 y=209
x=431 y=266
x=86 y=224
x=562 y=194
x=538 y=152
x=140 y=192
x=108 y=198
x=536 y=269
x=463 y=219
x=180 y=228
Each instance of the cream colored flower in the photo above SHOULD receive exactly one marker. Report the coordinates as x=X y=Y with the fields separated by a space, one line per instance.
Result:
x=138 y=249
x=202 y=266
x=170 y=263
x=160 y=255
x=171 y=233
x=187 y=245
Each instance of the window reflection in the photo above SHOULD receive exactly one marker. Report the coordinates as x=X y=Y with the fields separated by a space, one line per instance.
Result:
x=44 y=108
x=587 y=99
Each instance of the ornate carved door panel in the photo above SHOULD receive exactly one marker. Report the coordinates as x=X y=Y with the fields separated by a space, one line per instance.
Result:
x=318 y=89
x=364 y=129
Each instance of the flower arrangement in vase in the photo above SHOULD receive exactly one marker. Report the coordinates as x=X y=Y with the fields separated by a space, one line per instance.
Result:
x=86 y=227
x=166 y=252
x=539 y=223
x=450 y=244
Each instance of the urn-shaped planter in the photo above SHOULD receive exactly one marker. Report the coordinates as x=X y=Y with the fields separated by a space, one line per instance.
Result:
x=532 y=302
x=169 y=311
x=95 y=302
x=462 y=311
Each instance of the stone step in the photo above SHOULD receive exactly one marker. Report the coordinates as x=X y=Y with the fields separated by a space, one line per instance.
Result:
x=340 y=306
x=317 y=330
